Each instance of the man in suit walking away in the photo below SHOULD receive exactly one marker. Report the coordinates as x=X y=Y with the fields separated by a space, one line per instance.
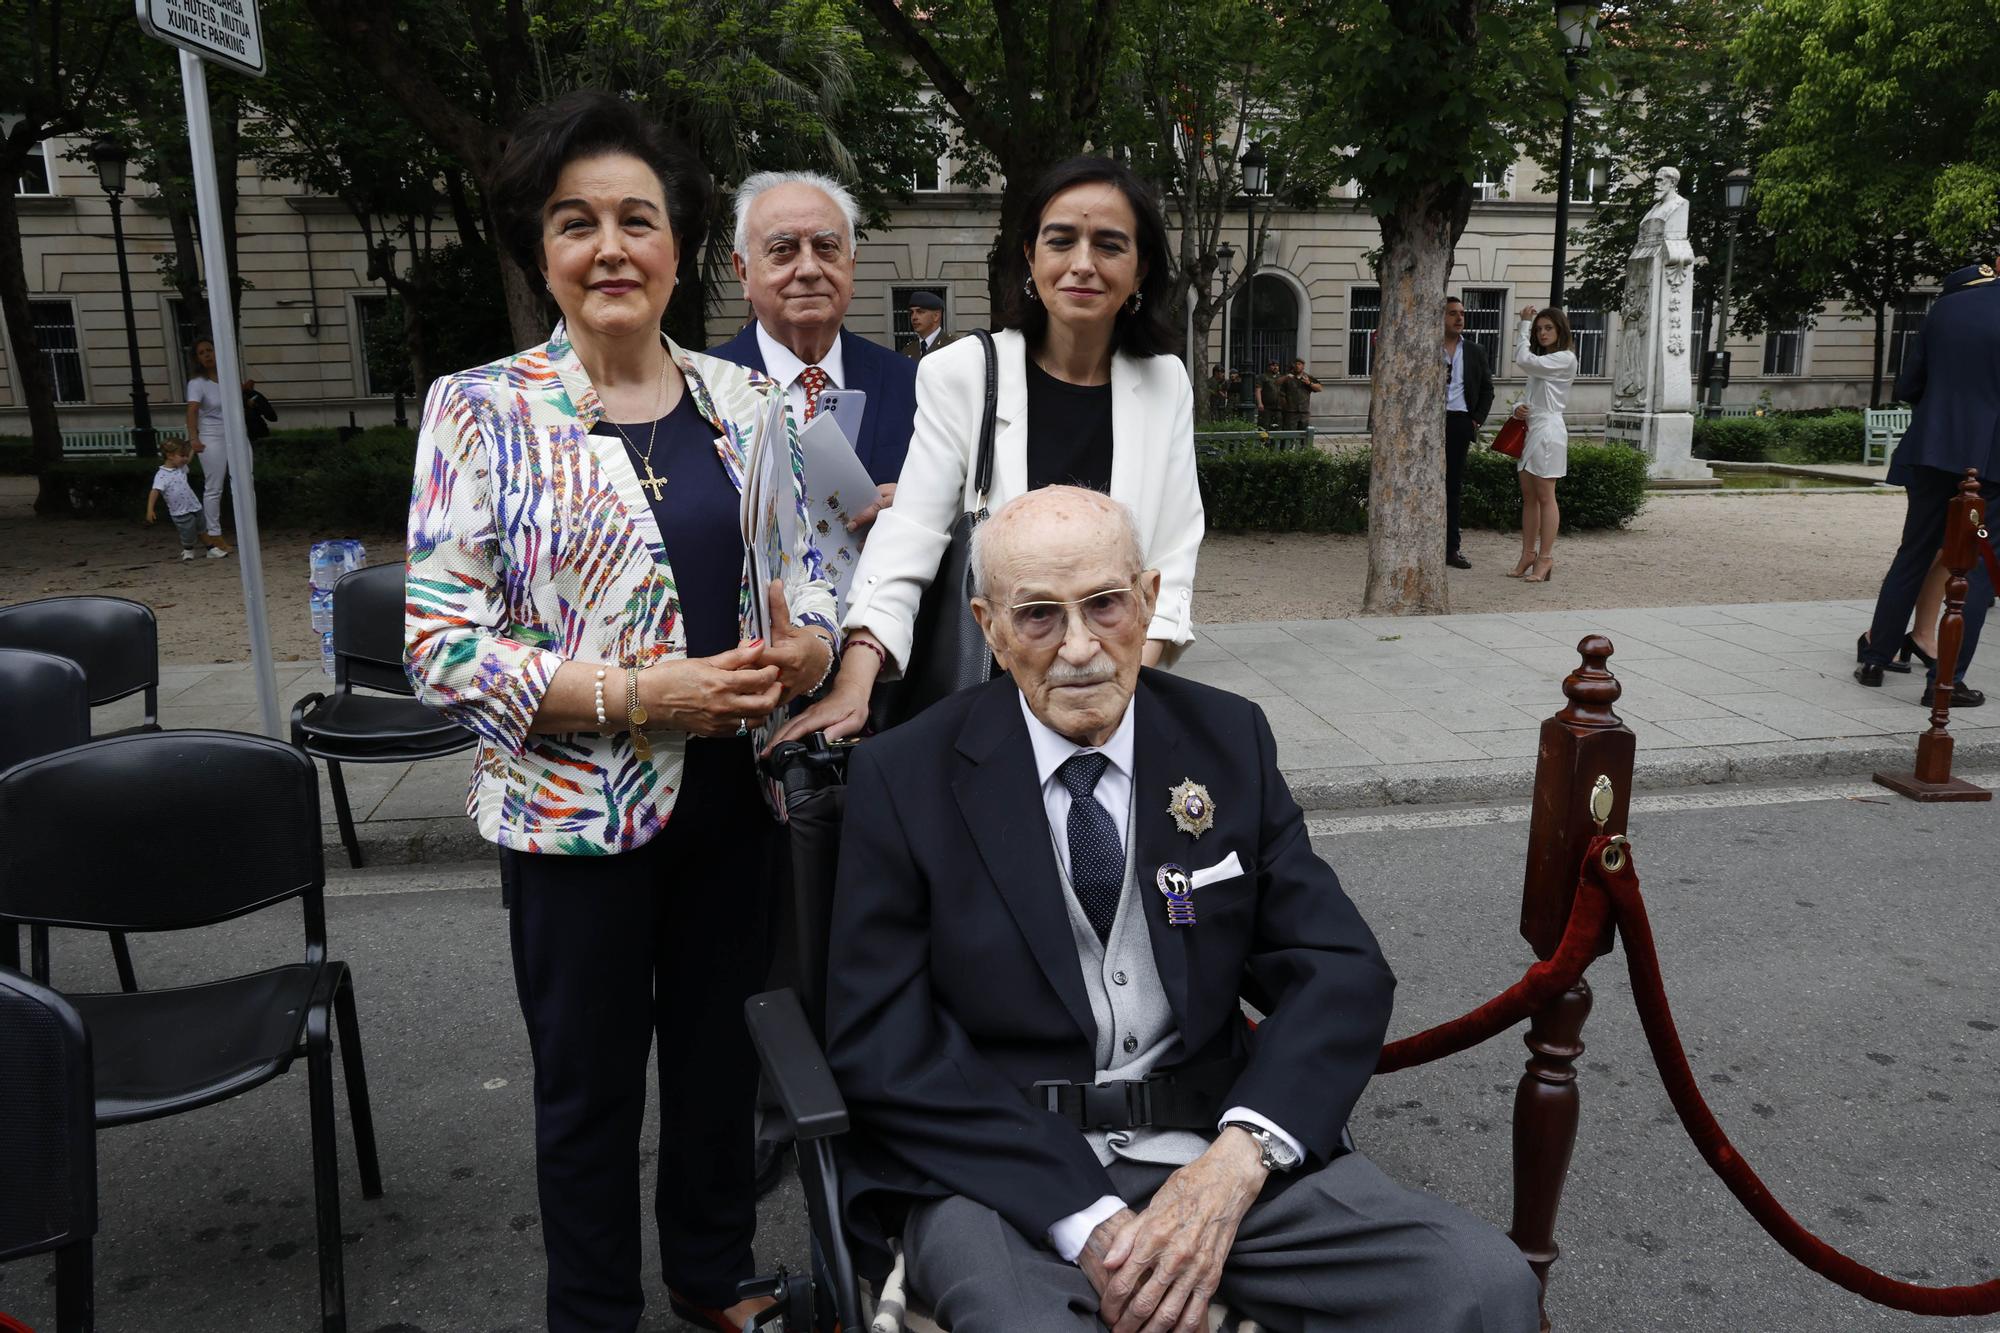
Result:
x=794 y=255
x=1952 y=376
x=1468 y=397
x=927 y=320
x=1051 y=890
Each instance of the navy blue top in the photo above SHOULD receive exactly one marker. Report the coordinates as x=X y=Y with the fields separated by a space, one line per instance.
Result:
x=698 y=515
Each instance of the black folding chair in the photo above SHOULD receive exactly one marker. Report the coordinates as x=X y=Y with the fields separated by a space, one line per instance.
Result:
x=349 y=728
x=45 y=707
x=159 y=1053
x=48 y=1142
x=116 y=641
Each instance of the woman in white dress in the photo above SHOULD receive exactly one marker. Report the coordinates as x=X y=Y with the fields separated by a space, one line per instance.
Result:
x=1544 y=354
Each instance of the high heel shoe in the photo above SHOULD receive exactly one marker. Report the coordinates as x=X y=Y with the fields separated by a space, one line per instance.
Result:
x=1548 y=572
x=1520 y=570
x=1909 y=650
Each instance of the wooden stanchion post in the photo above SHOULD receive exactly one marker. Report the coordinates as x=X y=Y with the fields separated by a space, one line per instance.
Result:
x=1585 y=750
x=1932 y=779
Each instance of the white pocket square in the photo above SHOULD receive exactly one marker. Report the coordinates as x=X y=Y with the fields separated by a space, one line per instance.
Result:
x=1227 y=868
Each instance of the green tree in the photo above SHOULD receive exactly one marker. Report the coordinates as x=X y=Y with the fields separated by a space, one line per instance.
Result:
x=1660 y=90
x=54 y=55
x=1420 y=93
x=1880 y=156
x=1193 y=83
x=1024 y=81
x=752 y=87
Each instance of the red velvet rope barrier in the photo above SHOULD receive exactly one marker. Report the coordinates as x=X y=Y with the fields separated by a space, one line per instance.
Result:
x=1650 y=994
x=1616 y=892
x=1539 y=985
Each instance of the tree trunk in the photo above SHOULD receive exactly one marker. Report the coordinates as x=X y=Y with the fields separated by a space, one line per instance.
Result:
x=186 y=275
x=527 y=316
x=37 y=391
x=226 y=122
x=1406 y=570
x=1881 y=344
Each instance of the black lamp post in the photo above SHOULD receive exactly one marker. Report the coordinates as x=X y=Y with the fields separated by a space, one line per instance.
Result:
x=1578 y=23
x=109 y=157
x=1255 y=165
x=1735 y=194
x=1225 y=264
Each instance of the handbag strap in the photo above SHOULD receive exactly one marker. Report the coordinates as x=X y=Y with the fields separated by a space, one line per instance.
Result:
x=982 y=471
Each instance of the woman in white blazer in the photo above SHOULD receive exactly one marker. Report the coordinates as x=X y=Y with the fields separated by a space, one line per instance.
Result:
x=1091 y=391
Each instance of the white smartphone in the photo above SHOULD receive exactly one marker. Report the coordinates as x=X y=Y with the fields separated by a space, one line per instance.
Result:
x=845 y=406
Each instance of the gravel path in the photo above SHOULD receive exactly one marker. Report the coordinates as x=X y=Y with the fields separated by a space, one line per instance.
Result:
x=1707 y=548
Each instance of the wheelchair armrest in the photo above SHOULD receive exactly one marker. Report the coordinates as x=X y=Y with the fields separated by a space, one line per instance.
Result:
x=795 y=1064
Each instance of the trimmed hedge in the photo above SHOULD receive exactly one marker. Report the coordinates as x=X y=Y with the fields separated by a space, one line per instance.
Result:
x=302 y=482
x=1294 y=490
x=1823 y=437
x=364 y=486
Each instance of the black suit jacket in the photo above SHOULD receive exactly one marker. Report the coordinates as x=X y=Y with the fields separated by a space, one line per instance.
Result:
x=954 y=981
x=1478 y=381
x=888 y=378
x=1951 y=372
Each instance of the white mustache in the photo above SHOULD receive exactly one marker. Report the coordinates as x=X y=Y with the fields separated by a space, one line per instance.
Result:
x=1096 y=671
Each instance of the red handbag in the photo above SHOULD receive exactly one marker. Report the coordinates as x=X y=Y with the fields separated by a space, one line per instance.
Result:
x=1511 y=437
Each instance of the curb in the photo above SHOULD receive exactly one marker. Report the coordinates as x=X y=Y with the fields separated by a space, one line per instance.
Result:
x=452 y=839
x=1499 y=780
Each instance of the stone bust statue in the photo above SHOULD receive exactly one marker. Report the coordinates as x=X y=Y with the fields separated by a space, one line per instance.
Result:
x=1664 y=229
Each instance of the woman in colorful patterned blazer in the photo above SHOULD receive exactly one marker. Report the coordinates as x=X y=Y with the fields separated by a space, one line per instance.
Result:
x=578 y=595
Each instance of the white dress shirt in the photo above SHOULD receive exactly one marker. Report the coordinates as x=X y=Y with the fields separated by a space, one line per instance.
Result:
x=782 y=364
x=1114 y=793
x=1454 y=380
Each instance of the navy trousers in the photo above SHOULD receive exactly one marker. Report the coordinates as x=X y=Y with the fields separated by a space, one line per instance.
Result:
x=1930 y=490
x=1460 y=430
x=667 y=940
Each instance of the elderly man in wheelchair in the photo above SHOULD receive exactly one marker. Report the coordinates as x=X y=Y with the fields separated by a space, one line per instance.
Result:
x=1052 y=891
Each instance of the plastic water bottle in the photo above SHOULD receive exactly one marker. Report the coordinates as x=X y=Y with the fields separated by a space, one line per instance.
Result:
x=326 y=653
x=322 y=609
x=325 y=564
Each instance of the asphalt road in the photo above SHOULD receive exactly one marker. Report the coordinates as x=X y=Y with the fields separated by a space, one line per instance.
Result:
x=1831 y=962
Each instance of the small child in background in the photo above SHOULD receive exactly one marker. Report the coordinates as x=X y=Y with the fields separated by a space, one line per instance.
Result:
x=183 y=505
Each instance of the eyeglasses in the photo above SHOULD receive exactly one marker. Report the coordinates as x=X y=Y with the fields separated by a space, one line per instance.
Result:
x=1108 y=612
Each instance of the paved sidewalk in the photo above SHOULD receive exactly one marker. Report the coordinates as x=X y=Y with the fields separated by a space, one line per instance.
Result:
x=1376 y=710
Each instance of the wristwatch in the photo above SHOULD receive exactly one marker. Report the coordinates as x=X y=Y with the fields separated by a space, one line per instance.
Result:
x=1272 y=1151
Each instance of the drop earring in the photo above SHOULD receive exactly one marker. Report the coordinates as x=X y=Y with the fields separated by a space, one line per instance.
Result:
x=1029 y=288
x=1138 y=299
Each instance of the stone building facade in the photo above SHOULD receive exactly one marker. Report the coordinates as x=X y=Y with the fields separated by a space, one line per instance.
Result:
x=306 y=314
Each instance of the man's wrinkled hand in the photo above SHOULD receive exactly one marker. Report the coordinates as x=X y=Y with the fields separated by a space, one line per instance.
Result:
x=1091 y=1257
x=1166 y=1264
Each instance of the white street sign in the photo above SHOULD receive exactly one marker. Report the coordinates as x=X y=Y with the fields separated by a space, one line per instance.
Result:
x=225 y=31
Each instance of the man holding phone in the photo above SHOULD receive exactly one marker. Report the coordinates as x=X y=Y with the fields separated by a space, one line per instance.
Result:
x=795 y=253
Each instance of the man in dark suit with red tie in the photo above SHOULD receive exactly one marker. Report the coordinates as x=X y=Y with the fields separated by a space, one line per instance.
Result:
x=1051 y=891
x=794 y=254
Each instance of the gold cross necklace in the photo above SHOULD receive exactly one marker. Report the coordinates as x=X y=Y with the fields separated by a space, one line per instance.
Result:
x=653 y=483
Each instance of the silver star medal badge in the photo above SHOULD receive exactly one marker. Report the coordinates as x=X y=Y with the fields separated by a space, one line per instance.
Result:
x=1192 y=808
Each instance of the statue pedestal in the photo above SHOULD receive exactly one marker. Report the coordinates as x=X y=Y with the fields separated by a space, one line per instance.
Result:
x=1665 y=438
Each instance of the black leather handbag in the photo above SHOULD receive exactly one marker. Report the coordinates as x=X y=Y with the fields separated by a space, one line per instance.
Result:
x=947 y=651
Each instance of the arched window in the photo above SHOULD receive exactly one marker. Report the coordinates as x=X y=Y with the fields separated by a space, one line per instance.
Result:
x=1274 y=334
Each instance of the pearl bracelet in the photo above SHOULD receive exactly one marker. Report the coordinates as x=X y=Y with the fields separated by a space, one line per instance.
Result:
x=601 y=718
x=832 y=660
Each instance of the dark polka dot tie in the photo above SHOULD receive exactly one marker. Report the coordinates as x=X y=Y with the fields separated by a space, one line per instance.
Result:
x=1096 y=855
x=815 y=381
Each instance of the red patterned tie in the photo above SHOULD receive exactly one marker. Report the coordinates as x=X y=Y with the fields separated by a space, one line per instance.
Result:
x=815 y=380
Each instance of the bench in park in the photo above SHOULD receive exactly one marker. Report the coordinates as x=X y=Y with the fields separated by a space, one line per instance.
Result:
x=1882 y=430
x=113 y=441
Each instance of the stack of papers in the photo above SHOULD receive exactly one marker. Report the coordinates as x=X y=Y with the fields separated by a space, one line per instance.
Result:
x=837 y=488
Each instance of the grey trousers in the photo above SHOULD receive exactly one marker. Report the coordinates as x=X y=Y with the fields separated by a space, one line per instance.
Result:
x=1343 y=1247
